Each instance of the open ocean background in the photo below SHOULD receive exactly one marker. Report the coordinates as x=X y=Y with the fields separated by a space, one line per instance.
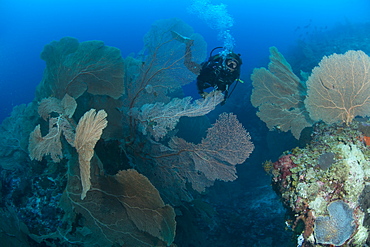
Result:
x=27 y=25
x=249 y=208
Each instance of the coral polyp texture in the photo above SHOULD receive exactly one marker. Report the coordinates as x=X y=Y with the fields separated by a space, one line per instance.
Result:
x=337 y=227
x=323 y=184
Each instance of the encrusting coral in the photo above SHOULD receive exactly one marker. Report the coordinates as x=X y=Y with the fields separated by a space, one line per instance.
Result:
x=336 y=228
x=328 y=175
x=308 y=188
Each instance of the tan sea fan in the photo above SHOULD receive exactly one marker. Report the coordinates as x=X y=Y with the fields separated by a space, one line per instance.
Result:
x=339 y=88
x=88 y=132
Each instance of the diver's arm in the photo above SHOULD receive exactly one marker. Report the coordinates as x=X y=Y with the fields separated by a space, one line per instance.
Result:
x=200 y=87
x=191 y=65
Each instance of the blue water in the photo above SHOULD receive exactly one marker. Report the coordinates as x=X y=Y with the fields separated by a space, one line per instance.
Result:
x=26 y=26
x=248 y=210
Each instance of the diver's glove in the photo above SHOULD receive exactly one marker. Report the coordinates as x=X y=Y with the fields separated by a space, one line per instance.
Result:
x=182 y=38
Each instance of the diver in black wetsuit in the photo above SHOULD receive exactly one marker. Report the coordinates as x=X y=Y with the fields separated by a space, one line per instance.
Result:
x=219 y=72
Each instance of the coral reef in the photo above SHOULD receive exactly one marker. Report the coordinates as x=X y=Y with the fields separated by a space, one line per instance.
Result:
x=322 y=185
x=116 y=177
x=336 y=228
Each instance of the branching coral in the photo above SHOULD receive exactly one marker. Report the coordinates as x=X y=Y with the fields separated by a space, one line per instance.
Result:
x=215 y=158
x=51 y=144
x=159 y=118
x=150 y=78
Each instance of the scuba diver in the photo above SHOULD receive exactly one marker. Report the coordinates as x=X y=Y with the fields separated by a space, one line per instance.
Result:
x=219 y=72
